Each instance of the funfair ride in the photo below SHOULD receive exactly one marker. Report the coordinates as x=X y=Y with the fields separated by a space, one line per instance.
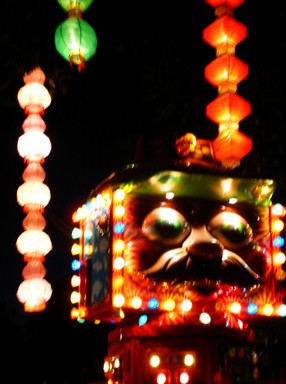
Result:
x=184 y=256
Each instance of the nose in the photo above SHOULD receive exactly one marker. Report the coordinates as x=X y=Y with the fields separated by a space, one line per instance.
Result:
x=200 y=243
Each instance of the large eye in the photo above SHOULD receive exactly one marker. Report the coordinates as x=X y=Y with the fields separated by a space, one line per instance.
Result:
x=231 y=229
x=166 y=225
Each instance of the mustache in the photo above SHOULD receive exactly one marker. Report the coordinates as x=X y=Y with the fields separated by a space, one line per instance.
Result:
x=231 y=267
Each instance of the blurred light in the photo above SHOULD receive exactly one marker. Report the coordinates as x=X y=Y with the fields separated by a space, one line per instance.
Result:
x=189 y=359
x=75 y=281
x=118 y=300
x=169 y=305
x=136 y=302
x=76 y=233
x=278 y=210
x=279 y=258
x=153 y=303
x=205 y=318
x=252 y=309
x=278 y=241
x=282 y=310
x=154 y=361
x=118 y=263
x=119 y=228
x=142 y=320
x=75 y=297
x=186 y=305
x=268 y=310
x=75 y=265
x=119 y=195
x=184 y=378
x=75 y=249
x=119 y=211
x=277 y=226
x=161 y=378
x=235 y=307
x=118 y=246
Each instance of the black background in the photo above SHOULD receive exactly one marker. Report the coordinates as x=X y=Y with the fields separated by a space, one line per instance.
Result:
x=145 y=84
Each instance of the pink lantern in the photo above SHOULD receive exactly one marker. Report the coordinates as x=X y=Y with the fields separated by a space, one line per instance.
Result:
x=34 y=293
x=34 y=270
x=34 y=122
x=34 y=220
x=34 y=172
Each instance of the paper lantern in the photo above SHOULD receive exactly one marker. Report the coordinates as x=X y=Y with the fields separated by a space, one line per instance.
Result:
x=226 y=72
x=34 y=122
x=34 y=293
x=34 y=243
x=230 y=147
x=224 y=34
x=34 y=172
x=228 y=106
x=75 y=40
x=34 y=146
x=219 y=3
x=34 y=270
x=33 y=194
x=34 y=98
x=67 y=5
x=34 y=220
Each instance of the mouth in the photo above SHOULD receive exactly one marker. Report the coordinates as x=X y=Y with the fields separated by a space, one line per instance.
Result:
x=178 y=265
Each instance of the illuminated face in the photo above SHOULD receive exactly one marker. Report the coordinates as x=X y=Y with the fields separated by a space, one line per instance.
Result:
x=197 y=240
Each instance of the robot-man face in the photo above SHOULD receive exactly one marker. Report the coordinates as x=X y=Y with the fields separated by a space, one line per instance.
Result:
x=200 y=241
x=180 y=234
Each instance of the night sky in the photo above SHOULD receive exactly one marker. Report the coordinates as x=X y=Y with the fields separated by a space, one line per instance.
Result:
x=144 y=84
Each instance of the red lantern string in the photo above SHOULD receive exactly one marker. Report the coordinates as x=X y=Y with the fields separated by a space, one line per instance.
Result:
x=226 y=72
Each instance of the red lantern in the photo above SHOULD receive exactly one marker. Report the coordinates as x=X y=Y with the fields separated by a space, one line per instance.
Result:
x=229 y=3
x=228 y=107
x=230 y=146
x=226 y=69
x=225 y=31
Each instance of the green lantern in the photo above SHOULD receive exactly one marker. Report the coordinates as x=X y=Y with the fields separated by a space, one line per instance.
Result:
x=70 y=4
x=76 y=41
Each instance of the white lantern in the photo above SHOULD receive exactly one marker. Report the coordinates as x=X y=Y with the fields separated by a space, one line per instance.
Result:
x=34 y=293
x=34 y=146
x=34 y=243
x=33 y=195
x=34 y=97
